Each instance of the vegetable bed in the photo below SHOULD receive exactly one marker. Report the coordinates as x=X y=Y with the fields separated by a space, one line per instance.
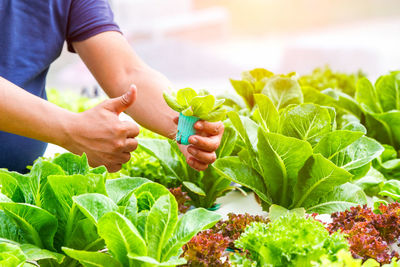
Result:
x=307 y=175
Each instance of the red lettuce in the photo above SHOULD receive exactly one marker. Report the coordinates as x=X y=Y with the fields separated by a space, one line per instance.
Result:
x=206 y=249
x=235 y=225
x=369 y=234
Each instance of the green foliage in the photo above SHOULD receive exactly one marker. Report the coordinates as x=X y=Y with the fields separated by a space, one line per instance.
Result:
x=381 y=104
x=283 y=90
x=324 y=78
x=63 y=205
x=72 y=101
x=152 y=236
x=345 y=259
x=290 y=240
x=203 y=106
x=203 y=187
x=206 y=249
x=296 y=157
x=370 y=234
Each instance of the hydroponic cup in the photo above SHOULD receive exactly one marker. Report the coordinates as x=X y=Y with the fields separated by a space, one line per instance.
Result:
x=185 y=128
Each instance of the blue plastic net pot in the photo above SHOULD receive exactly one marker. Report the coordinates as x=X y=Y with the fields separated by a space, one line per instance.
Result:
x=185 y=128
x=215 y=207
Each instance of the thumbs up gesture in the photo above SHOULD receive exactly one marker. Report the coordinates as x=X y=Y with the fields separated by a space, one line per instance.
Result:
x=100 y=134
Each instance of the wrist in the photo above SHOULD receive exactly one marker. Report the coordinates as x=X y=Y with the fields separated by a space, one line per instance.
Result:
x=67 y=128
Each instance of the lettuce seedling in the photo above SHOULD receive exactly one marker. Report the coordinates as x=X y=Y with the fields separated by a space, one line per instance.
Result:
x=192 y=107
x=202 y=106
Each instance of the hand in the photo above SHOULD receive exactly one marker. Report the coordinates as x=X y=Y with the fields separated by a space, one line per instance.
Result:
x=201 y=151
x=100 y=134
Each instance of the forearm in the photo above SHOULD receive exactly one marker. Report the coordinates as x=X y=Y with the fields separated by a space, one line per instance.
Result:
x=116 y=66
x=24 y=114
x=150 y=109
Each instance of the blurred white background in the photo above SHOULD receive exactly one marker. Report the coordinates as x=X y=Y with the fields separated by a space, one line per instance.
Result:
x=203 y=43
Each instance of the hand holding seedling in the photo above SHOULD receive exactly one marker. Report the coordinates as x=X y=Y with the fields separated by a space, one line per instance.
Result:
x=102 y=136
x=199 y=125
x=201 y=150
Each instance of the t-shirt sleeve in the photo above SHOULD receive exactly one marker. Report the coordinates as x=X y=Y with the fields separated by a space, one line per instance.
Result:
x=88 y=18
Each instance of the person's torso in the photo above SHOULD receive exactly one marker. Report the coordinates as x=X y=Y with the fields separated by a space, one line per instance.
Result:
x=32 y=34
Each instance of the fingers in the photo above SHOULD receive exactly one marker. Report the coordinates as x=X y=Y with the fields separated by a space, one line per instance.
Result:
x=208 y=144
x=114 y=167
x=195 y=164
x=131 y=145
x=120 y=104
x=176 y=120
x=117 y=161
x=131 y=130
x=202 y=156
x=211 y=128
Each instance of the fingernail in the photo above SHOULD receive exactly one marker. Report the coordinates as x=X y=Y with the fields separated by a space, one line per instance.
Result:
x=199 y=126
x=194 y=140
x=127 y=95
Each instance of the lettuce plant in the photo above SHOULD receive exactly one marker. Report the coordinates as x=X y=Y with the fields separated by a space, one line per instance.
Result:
x=380 y=103
x=282 y=89
x=235 y=225
x=326 y=78
x=203 y=187
x=206 y=249
x=203 y=106
x=369 y=234
x=295 y=157
x=181 y=198
x=388 y=163
x=139 y=224
x=63 y=205
x=290 y=240
x=345 y=259
x=37 y=208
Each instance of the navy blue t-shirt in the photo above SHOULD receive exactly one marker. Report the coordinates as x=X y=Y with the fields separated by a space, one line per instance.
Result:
x=32 y=34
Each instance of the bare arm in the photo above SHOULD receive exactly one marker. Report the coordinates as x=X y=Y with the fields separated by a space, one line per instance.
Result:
x=115 y=66
x=97 y=132
x=25 y=114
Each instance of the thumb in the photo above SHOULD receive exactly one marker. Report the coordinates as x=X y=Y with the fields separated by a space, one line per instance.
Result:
x=120 y=104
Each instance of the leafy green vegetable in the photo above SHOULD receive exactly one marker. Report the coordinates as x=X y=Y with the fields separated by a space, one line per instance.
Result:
x=203 y=187
x=14 y=254
x=290 y=241
x=324 y=78
x=391 y=189
x=281 y=89
x=303 y=161
x=11 y=255
x=189 y=103
x=45 y=208
x=345 y=259
x=134 y=237
x=381 y=103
